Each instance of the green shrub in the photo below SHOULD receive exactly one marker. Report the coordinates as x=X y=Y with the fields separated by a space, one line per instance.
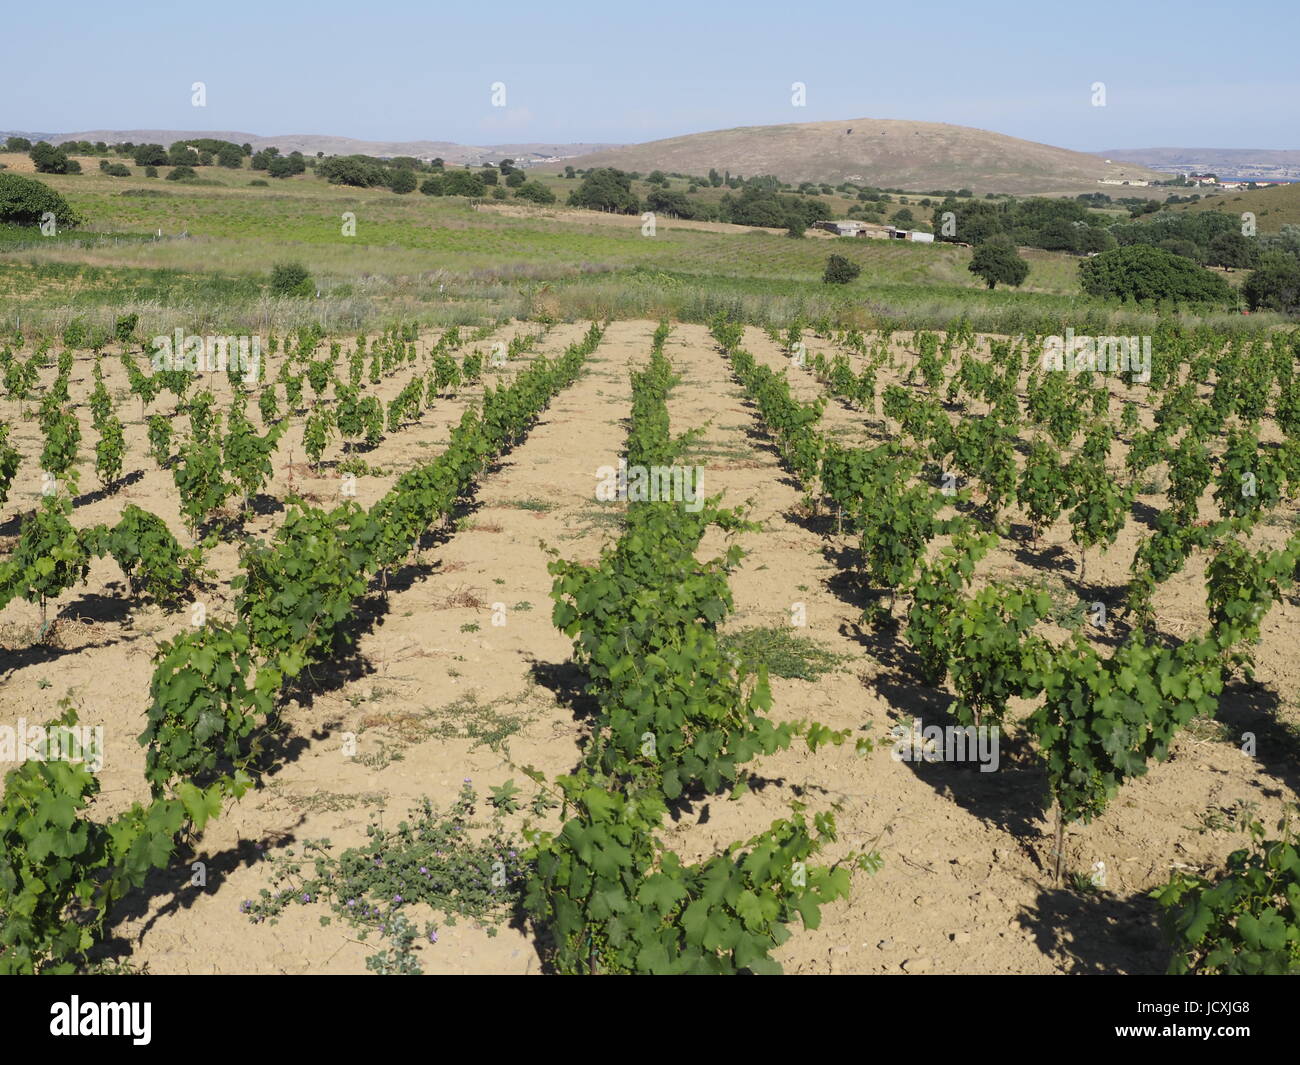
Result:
x=401 y=180
x=1275 y=286
x=52 y=160
x=291 y=279
x=462 y=183
x=23 y=201
x=149 y=155
x=181 y=154
x=283 y=166
x=354 y=170
x=606 y=189
x=1141 y=272
x=535 y=192
x=840 y=271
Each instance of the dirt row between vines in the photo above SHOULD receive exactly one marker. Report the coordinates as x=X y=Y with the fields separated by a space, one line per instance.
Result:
x=100 y=653
x=436 y=694
x=965 y=886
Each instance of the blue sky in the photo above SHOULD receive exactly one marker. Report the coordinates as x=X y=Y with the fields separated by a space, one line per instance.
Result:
x=1191 y=74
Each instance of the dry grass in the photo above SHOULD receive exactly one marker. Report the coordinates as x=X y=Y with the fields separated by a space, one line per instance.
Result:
x=921 y=156
x=461 y=598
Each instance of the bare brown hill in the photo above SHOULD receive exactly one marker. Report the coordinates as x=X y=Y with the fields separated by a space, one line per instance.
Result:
x=887 y=153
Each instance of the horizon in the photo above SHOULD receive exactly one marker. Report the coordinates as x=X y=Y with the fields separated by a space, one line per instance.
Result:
x=407 y=74
x=211 y=131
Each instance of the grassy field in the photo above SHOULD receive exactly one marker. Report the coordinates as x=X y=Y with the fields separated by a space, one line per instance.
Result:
x=1273 y=207
x=203 y=250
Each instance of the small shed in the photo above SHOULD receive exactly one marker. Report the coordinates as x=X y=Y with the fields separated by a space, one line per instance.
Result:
x=914 y=235
x=850 y=228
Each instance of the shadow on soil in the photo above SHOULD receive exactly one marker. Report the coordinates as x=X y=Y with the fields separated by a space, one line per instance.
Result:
x=1098 y=934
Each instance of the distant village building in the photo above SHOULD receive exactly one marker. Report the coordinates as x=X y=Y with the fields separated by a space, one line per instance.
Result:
x=852 y=228
x=848 y=228
x=917 y=236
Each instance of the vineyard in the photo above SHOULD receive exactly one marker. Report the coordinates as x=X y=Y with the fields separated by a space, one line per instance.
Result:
x=382 y=682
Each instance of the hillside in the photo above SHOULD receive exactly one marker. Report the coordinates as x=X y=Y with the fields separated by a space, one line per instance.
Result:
x=310 y=144
x=1273 y=207
x=920 y=156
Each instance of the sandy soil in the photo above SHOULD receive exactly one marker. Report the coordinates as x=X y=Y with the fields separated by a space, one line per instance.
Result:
x=964 y=886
